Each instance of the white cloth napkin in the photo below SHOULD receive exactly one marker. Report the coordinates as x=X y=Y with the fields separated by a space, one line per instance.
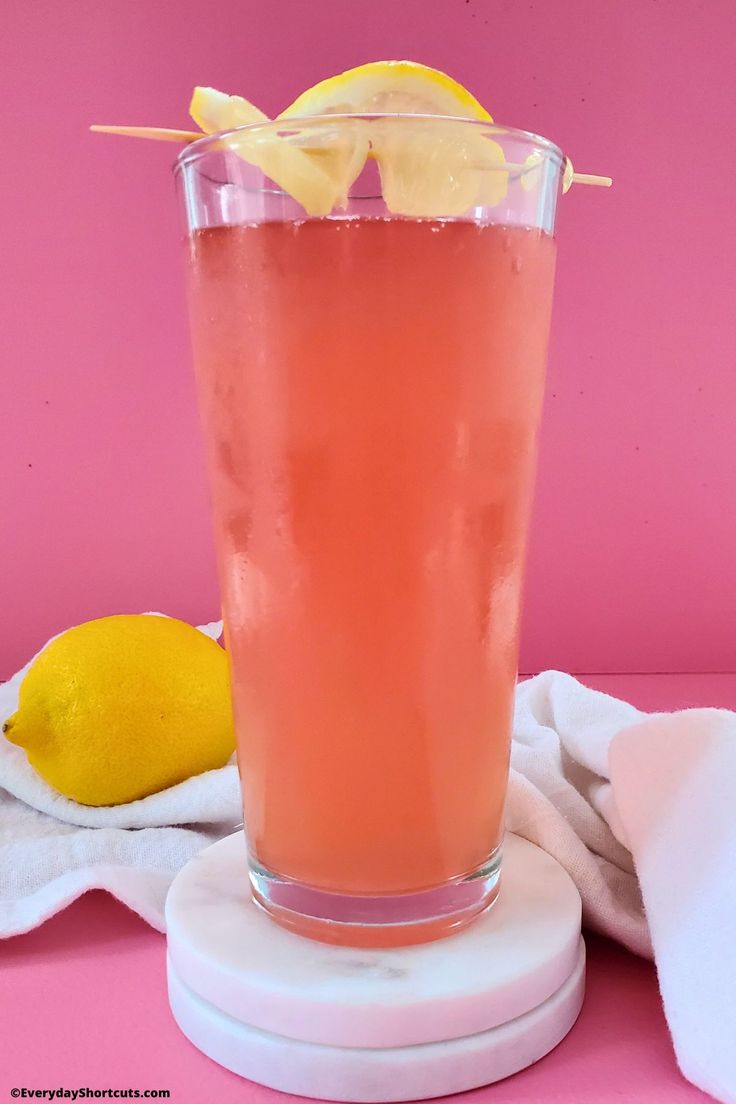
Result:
x=615 y=794
x=638 y=808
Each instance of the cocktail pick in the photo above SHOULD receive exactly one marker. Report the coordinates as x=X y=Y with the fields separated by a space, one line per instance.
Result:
x=166 y=134
x=158 y=134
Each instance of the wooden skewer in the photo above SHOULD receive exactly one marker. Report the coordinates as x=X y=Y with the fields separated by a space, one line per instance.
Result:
x=167 y=134
x=596 y=181
x=159 y=134
x=570 y=177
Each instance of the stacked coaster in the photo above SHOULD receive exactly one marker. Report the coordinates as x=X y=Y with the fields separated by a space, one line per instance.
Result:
x=350 y=1024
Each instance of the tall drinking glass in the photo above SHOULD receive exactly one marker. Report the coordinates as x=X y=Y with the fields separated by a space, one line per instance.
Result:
x=370 y=381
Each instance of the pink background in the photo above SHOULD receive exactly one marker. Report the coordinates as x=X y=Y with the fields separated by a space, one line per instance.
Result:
x=102 y=497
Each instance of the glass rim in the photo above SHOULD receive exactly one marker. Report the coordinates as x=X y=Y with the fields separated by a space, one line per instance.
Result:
x=208 y=142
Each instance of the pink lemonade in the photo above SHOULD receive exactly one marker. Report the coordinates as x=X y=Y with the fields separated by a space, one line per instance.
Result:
x=371 y=389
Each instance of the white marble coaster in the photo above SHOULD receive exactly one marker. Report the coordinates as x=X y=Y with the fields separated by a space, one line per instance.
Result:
x=509 y=960
x=370 y=1075
x=357 y=1024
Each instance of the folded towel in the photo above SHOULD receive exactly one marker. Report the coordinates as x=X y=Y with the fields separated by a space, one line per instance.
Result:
x=616 y=795
x=638 y=808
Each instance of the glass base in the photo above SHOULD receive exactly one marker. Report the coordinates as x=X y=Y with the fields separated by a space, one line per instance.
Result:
x=394 y=920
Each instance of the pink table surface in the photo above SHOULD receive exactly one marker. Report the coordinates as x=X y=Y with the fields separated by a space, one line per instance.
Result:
x=83 y=999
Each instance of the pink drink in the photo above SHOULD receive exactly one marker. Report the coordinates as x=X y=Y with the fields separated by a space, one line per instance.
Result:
x=370 y=390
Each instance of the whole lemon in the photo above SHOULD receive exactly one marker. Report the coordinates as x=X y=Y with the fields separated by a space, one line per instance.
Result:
x=118 y=708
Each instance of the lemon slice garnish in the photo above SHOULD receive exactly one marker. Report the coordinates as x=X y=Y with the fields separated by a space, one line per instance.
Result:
x=213 y=110
x=427 y=169
x=316 y=171
x=433 y=169
x=388 y=86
